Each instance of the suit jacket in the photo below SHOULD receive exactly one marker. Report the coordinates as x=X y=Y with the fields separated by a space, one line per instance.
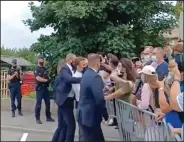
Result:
x=92 y=105
x=63 y=85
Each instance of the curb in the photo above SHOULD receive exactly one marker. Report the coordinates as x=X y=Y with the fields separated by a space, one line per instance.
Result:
x=36 y=131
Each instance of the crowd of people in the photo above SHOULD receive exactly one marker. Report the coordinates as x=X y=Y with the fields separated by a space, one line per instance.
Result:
x=153 y=82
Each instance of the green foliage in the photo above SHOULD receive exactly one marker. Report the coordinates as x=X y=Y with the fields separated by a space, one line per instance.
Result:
x=81 y=27
x=25 y=53
x=178 y=9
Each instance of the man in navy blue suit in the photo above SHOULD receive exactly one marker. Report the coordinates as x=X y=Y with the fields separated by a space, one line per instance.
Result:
x=65 y=100
x=92 y=106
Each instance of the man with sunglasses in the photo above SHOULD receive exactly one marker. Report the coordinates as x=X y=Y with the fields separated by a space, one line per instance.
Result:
x=14 y=79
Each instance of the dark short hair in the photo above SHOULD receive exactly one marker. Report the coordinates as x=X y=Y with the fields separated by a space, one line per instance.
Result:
x=40 y=57
x=114 y=60
x=127 y=64
x=14 y=61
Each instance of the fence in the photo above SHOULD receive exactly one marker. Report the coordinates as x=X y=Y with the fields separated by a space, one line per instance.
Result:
x=4 y=84
x=139 y=125
x=27 y=87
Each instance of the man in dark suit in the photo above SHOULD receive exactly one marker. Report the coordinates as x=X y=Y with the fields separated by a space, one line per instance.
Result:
x=65 y=100
x=92 y=106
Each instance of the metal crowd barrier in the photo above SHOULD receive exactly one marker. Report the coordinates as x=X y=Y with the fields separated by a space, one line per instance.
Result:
x=111 y=107
x=139 y=125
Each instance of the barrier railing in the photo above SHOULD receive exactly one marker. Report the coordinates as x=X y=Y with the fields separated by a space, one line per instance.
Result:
x=139 y=125
x=4 y=84
x=111 y=107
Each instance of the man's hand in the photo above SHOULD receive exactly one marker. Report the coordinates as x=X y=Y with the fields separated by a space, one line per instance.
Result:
x=108 y=97
x=15 y=73
x=177 y=130
x=160 y=116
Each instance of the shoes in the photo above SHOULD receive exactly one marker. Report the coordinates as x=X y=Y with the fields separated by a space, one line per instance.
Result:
x=20 y=113
x=50 y=120
x=13 y=113
x=38 y=121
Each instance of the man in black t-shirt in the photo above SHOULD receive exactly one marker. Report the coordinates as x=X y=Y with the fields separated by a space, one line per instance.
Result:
x=14 y=83
x=42 y=92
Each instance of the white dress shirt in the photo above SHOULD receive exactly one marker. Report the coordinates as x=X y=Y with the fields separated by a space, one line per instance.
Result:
x=76 y=87
x=71 y=93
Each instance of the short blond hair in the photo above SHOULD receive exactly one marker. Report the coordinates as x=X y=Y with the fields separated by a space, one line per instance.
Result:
x=70 y=56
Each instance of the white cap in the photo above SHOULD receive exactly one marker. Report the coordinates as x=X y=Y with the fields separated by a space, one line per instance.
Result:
x=148 y=70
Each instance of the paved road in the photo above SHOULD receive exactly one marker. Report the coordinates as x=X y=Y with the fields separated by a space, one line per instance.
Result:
x=13 y=129
x=11 y=135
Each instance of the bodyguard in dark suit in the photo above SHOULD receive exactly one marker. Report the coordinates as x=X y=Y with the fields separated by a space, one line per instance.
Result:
x=92 y=106
x=65 y=101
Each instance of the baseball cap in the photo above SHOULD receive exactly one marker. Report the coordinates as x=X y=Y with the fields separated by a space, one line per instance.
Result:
x=148 y=70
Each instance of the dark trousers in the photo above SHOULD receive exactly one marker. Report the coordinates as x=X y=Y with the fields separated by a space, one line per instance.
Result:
x=42 y=93
x=90 y=134
x=76 y=104
x=65 y=131
x=15 y=93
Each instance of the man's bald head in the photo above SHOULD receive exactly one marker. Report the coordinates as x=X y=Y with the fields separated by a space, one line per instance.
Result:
x=93 y=61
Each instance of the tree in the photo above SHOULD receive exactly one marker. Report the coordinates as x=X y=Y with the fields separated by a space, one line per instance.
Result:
x=25 y=53
x=120 y=27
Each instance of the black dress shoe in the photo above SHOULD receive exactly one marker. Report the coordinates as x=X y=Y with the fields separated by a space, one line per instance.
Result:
x=20 y=113
x=38 y=121
x=50 y=120
x=13 y=113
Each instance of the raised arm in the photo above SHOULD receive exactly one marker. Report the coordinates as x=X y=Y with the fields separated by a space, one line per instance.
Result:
x=68 y=77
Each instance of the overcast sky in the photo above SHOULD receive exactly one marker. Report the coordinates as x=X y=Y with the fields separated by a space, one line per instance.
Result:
x=13 y=32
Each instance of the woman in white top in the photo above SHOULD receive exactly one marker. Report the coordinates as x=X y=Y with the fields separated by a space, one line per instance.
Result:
x=81 y=64
x=149 y=79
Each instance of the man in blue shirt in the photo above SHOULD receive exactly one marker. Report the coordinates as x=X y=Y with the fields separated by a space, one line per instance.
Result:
x=162 y=68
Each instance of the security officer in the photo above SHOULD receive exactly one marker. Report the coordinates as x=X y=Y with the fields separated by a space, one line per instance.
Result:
x=14 y=84
x=42 y=83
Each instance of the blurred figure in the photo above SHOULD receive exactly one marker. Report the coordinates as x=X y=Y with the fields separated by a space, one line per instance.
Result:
x=14 y=83
x=42 y=92
x=125 y=81
x=147 y=53
x=162 y=67
x=92 y=107
x=65 y=100
x=81 y=67
x=149 y=79
x=176 y=98
x=61 y=63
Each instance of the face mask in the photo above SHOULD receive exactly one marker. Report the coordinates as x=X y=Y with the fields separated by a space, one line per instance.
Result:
x=14 y=67
x=154 y=59
x=41 y=63
x=147 y=58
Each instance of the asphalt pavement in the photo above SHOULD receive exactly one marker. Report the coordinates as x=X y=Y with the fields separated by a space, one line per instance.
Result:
x=25 y=129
